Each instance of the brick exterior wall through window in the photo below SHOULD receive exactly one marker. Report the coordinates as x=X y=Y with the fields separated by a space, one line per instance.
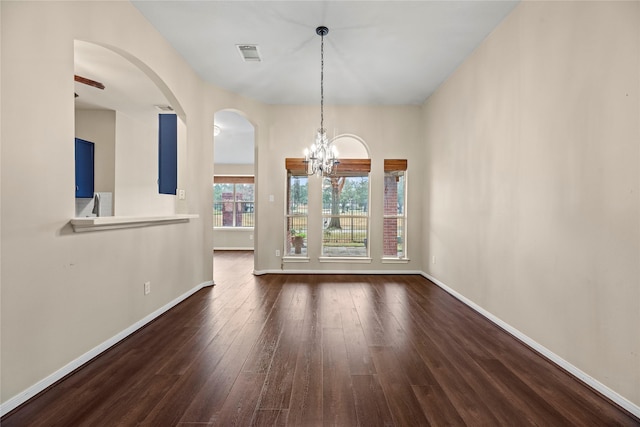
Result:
x=227 y=210
x=239 y=211
x=390 y=232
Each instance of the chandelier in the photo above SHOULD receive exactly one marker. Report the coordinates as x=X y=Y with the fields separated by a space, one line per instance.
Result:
x=321 y=158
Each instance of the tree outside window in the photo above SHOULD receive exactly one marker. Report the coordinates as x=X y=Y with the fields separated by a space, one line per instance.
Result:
x=345 y=201
x=345 y=209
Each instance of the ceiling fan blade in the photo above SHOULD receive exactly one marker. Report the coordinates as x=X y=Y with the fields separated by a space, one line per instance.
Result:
x=87 y=81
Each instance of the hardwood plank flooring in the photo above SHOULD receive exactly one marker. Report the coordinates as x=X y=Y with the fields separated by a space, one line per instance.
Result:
x=314 y=350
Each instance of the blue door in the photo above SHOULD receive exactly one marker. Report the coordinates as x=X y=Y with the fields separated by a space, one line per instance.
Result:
x=85 y=154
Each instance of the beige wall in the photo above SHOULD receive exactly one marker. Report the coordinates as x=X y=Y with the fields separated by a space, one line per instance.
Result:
x=233 y=239
x=136 y=173
x=64 y=293
x=99 y=127
x=234 y=169
x=531 y=198
x=389 y=132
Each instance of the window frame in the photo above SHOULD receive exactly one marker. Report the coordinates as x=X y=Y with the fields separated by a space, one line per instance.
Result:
x=395 y=168
x=296 y=226
x=353 y=167
x=350 y=168
x=234 y=180
x=350 y=218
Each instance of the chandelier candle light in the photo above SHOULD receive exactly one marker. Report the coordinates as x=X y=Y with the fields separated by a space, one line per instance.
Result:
x=322 y=158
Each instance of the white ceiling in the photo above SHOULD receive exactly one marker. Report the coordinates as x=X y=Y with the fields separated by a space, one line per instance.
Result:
x=376 y=52
x=235 y=142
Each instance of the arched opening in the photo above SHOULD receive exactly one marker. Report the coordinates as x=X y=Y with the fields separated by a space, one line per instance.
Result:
x=121 y=121
x=234 y=204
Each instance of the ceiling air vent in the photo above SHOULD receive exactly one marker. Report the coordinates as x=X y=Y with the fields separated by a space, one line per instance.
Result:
x=249 y=52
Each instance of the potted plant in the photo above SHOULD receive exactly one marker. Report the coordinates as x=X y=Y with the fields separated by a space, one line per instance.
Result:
x=297 y=240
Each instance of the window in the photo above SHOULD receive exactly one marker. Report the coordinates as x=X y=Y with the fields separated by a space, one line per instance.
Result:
x=394 y=224
x=233 y=201
x=345 y=210
x=345 y=205
x=297 y=213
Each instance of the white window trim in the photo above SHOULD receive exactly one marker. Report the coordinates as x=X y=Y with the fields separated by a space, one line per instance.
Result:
x=227 y=228
x=287 y=257
x=233 y=227
x=392 y=260
x=405 y=257
x=323 y=258
x=294 y=259
x=354 y=260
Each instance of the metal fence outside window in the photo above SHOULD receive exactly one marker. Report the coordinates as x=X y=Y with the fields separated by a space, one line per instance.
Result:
x=352 y=230
x=233 y=214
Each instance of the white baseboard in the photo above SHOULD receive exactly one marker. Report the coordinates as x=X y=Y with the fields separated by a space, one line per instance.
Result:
x=377 y=272
x=581 y=375
x=41 y=385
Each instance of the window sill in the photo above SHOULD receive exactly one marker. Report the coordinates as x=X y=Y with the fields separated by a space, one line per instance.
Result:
x=353 y=260
x=81 y=225
x=295 y=259
x=395 y=260
x=233 y=228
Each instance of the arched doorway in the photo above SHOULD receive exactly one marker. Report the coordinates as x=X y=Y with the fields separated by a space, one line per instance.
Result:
x=234 y=207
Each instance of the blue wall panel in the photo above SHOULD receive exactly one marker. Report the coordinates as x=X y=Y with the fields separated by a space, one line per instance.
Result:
x=85 y=157
x=168 y=154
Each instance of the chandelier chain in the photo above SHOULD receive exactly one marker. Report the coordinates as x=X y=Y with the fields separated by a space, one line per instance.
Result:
x=322 y=157
x=322 y=81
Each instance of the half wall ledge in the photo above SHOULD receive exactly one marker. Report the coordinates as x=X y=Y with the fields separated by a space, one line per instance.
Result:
x=81 y=225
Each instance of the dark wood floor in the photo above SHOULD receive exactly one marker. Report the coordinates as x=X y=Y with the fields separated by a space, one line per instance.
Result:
x=304 y=350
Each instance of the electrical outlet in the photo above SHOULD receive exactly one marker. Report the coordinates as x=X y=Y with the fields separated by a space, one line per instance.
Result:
x=277 y=252
x=181 y=194
x=250 y=236
x=433 y=259
x=147 y=288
